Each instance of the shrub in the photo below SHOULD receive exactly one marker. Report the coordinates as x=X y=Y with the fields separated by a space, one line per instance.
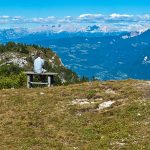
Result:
x=13 y=81
x=7 y=82
x=8 y=70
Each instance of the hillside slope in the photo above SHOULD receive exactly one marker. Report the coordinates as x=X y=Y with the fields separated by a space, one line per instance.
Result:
x=92 y=115
x=15 y=58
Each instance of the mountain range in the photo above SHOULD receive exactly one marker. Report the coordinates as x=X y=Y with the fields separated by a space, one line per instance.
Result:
x=100 y=55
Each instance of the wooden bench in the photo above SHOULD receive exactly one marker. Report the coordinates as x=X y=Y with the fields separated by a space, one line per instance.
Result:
x=50 y=78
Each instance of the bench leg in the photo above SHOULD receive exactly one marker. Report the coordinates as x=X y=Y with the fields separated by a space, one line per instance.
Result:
x=52 y=80
x=49 y=81
x=29 y=80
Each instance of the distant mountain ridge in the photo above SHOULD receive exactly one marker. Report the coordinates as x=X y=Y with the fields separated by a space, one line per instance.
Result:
x=104 y=56
x=25 y=34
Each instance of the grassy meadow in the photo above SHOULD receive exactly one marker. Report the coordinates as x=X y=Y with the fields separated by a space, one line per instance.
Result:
x=77 y=117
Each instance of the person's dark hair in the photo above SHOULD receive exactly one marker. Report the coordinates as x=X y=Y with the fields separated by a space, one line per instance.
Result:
x=39 y=54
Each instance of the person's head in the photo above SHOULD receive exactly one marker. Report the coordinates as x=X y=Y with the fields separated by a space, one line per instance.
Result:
x=39 y=55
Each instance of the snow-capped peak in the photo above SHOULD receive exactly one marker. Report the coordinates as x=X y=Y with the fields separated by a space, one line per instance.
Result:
x=134 y=33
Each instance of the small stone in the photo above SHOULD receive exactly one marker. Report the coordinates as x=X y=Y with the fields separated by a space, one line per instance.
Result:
x=138 y=114
x=41 y=93
x=80 y=101
x=110 y=91
x=105 y=105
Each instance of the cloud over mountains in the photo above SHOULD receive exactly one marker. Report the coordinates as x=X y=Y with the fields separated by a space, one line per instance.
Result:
x=112 y=22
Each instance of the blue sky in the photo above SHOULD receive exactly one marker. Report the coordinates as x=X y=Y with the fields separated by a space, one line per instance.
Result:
x=60 y=8
x=109 y=15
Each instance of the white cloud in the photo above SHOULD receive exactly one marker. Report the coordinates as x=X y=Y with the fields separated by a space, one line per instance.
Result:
x=90 y=17
x=18 y=17
x=114 y=15
x=37 y=20
x=4 y=17
x=106 y=23
x=4 y=21
x=68 y=17
x=51 y=17
x=145 y=17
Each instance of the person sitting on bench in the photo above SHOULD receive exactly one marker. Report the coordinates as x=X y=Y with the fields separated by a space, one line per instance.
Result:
x=38 y=66
x=39 y=63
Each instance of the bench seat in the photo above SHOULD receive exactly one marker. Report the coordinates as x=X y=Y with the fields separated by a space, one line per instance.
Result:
x=30 y=75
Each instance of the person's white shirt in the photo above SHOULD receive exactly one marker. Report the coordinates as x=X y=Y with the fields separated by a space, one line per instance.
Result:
x=38 y=65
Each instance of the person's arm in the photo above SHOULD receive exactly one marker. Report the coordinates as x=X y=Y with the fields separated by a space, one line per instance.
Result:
x=42 y=62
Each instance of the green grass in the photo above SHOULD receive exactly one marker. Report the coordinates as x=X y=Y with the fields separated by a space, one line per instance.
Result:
x=45 y=119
